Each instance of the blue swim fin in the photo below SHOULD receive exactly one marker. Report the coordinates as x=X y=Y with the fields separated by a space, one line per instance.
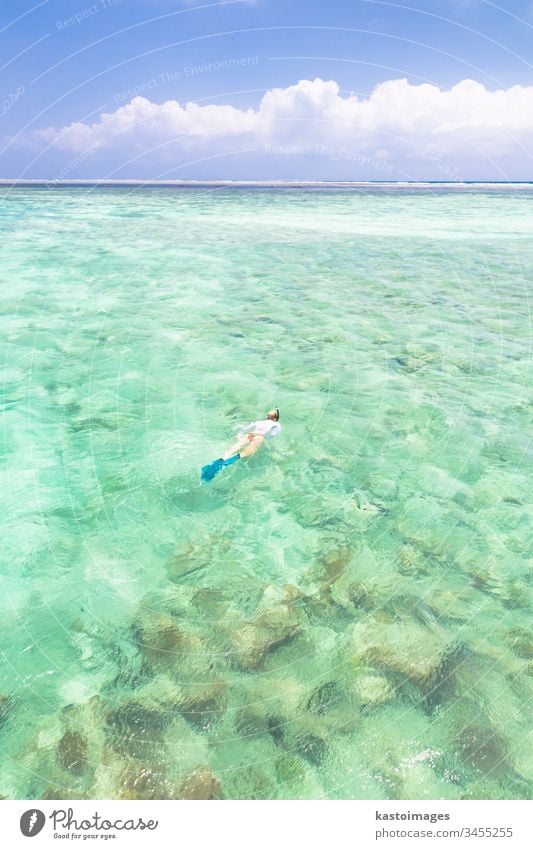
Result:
x=231 y=460
x=212 y=469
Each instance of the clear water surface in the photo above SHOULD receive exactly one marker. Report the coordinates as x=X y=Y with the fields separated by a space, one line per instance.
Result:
x=347 y=614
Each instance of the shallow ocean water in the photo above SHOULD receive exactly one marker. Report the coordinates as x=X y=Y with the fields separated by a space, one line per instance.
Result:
x=345 y=615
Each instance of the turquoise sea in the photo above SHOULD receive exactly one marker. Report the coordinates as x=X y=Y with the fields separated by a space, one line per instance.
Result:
x=347 y=614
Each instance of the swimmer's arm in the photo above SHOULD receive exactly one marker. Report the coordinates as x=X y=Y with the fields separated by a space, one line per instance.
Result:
x=274 y=430
x=246 y=428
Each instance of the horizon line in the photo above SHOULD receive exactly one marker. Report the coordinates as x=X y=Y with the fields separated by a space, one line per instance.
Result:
x=53 y=182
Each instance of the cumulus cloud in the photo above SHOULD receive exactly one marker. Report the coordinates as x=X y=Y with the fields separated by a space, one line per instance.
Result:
x=398 y=119
x=151 y=123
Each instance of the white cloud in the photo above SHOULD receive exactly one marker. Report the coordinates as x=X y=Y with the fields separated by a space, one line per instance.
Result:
x=398 y=118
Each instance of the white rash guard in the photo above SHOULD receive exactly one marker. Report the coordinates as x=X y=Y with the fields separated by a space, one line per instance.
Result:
x=266 y=428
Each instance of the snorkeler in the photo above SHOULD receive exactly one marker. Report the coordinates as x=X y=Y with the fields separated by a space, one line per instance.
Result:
x=251 y=438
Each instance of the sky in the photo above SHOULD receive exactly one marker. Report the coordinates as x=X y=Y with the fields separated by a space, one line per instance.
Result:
x=266 y=89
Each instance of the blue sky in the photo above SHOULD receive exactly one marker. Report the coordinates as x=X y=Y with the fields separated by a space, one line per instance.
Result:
x=277 y=89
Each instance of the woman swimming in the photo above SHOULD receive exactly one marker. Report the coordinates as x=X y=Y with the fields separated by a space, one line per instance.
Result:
x=251 y=438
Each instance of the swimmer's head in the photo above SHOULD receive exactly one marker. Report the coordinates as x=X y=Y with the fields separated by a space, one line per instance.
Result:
x=274 y=415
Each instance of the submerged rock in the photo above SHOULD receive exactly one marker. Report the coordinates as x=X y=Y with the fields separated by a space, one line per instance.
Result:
x=255 y=641
x=65 y=793
x=413 y=561
x=49 y=732
x=328 y=568
x=212 y=604
x=136 y=730
x=313 y=748
x=161 y=695
x=251 y=723
x=290 y=768
x=138 y=781
x=5 y=706
x=132 y=716
x=333 y=564
x=521 y=642
x=199 y=700
x=287 y=594
x=350 y=593
x=453 y=604
x=490 y=578
x=517 y=594
x=160 y=639
x=483 y=790
x=373 y=690
x=276 y=621
x=412 y=362
x=72 y=751
x=357 y=579
x=276 y=729
x=324 y=697
x=404 y=647
x=250 y=781
x=382 y=486
x=331 y=709
x=321 y=512
x=73 y=737
x=200 y=784
x=190 y=558
x=201 y=704
x=483 y=748
x=443 y=686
